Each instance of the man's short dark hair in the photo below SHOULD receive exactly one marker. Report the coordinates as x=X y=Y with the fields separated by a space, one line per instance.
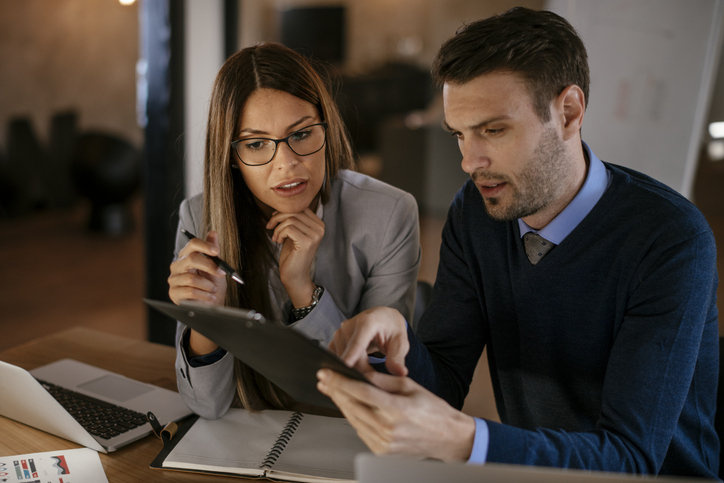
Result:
x=540 y=46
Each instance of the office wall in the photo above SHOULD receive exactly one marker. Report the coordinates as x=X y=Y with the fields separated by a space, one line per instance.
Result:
x=653 y=65
x=81 y=54
x=69 y=54
x=381 y=30
x=203 y=57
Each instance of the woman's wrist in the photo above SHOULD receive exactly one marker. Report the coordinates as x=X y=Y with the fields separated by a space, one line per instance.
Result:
x=301 y=312
x=301 y=295
x=199 y=344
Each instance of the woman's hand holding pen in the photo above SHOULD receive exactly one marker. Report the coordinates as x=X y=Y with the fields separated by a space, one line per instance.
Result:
x=194 y=276
x=301 y=233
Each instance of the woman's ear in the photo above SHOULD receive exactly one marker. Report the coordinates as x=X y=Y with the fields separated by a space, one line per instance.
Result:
x=571 y=106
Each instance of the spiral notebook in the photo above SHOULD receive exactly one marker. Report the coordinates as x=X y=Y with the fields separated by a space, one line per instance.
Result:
x=272 y=444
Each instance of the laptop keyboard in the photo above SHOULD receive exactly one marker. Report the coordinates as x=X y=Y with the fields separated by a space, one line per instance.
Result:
x=99 y=418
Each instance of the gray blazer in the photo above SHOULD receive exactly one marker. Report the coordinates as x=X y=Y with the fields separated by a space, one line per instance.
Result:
x=369 y=257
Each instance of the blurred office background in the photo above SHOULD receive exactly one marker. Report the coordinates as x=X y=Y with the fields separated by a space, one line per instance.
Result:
x=102 y=110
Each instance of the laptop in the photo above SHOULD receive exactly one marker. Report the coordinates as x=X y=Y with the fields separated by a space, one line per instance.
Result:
x=389 y=469
x=90 y=406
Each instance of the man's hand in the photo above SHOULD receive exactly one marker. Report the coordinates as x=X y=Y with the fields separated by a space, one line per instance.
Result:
x=380 y=329
x=400 y=417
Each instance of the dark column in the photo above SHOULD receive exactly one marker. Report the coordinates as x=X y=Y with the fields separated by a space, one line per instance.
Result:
x=231 y=27
x=162 y=46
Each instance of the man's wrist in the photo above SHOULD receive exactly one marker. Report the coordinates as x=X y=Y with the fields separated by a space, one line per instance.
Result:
x=465 y=438
x=479 y=452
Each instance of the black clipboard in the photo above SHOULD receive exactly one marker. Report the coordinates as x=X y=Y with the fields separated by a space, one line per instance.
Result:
x=281 y=354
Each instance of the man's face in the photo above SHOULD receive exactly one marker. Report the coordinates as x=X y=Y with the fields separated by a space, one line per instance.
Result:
x=518 y=163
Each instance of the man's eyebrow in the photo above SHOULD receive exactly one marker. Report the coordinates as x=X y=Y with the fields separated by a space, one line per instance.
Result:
x=481 y=124
x=289 y=128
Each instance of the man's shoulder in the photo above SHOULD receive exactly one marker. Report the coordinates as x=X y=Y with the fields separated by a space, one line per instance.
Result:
x=644 y=196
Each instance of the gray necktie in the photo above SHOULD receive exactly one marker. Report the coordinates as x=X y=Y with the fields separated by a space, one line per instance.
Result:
x=536 y=246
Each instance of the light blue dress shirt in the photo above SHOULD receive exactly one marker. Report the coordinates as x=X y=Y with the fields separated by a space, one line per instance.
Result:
x=597 y=180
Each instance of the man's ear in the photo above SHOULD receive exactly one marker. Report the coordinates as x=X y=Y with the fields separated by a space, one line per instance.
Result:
x=571 y=106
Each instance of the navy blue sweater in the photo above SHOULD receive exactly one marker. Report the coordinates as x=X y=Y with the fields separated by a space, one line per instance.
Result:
x=604 y=355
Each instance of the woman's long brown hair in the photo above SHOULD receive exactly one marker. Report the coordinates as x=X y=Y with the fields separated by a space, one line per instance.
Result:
x=229 y=206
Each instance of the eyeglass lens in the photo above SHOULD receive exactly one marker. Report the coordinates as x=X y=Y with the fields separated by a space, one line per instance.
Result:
x=261 y=150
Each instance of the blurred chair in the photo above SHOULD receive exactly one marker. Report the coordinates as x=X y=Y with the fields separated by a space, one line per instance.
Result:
x=422 y=299
x=57 y=175
x=26 y=159
x=107 y=170
x=8 y=193
x=365 y=101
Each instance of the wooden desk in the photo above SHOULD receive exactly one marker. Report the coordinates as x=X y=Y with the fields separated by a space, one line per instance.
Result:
x=154 y=363
x=140 y=360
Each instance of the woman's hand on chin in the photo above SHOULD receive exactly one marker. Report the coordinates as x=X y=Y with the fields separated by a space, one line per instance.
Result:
x=300 y=235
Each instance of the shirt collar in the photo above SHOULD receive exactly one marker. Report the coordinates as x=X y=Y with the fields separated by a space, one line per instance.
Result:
x=597 y=180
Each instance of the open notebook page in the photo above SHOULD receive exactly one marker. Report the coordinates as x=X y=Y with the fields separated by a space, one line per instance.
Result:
x=236 y=443
x=321 y=446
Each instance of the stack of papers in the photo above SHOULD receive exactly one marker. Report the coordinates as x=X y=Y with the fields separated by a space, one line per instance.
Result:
x=76 y=465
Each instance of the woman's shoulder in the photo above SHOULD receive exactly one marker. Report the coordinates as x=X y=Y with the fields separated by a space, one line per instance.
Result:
x=354 y=183
x=367 y=199
x=192 y=207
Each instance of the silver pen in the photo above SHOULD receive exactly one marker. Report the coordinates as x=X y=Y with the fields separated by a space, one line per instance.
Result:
x=218 y=261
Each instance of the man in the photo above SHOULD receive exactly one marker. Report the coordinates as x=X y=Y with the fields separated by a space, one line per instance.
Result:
x=603 y=350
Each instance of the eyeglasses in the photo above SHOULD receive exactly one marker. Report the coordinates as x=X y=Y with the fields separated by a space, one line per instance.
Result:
x=260 y=151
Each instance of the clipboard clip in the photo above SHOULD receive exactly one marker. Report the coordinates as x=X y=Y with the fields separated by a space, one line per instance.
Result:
x=164 y=433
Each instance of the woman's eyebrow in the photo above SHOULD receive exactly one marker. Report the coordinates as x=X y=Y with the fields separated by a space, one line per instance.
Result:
x=249 y=130
x=304 y=119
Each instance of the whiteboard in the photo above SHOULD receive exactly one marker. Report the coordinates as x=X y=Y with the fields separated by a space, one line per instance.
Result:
x=653 y=65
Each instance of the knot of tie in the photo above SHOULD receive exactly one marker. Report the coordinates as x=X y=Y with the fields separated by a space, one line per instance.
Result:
x=536 y=247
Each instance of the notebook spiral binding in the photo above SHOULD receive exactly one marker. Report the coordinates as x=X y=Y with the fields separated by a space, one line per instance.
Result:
x=282 y=441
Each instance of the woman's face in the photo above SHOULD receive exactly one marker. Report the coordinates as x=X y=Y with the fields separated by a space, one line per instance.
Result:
x=290 y=182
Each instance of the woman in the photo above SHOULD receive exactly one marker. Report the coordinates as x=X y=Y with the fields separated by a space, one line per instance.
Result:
x=314 y=242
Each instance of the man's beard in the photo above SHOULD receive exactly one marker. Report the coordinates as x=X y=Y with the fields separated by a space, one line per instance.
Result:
x=538 y=185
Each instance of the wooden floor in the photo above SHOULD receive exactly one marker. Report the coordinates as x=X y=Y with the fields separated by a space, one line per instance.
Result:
x=55 y=274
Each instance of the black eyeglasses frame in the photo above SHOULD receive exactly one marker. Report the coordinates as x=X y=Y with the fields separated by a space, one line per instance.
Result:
x=277 y=141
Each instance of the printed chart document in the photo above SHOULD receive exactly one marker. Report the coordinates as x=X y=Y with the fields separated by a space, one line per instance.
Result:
x=278 y=445
x=64 y=466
